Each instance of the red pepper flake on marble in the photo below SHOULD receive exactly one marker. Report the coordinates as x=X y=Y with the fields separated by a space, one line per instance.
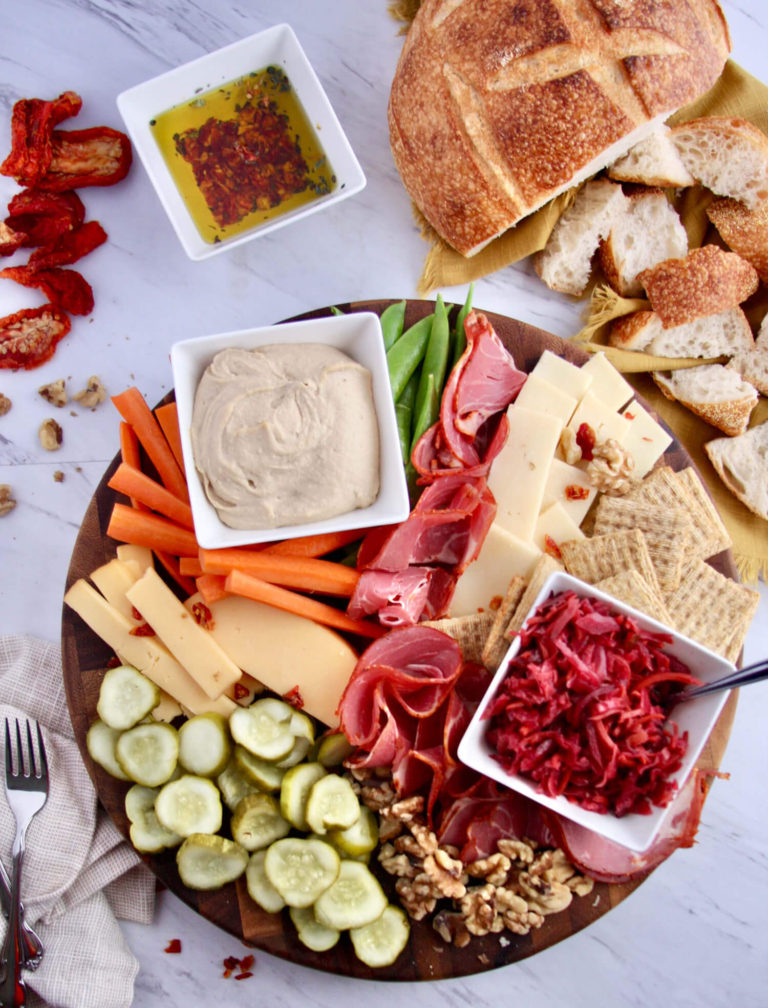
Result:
x=174 y=946
x=243 y=967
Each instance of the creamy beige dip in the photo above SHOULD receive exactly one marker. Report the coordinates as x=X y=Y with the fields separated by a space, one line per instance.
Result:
x=285 y=434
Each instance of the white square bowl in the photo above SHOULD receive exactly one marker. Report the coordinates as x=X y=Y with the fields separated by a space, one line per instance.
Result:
x=697 y=717
x=359 y=336
x=277 y=46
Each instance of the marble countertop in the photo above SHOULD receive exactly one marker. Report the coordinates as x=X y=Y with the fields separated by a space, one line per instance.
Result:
x=694 y=933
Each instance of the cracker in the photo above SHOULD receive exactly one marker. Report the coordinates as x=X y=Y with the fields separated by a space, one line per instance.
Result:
x=665 y=489
x=470 y=632
x=543 y=567
x=668 y=533
x=711 y=608
x=604 y=556
x=631 y=588
x=496 y=644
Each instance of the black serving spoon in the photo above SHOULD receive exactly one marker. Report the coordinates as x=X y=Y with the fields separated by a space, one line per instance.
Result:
x=741 y=677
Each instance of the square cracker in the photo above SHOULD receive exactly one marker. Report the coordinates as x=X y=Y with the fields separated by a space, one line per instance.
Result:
x=604 y=556
x=470 y=632
x=668 y=533
x=712 y=609
x=666 y=489
x=543 y=567
x=631 y=588
x=496 y=644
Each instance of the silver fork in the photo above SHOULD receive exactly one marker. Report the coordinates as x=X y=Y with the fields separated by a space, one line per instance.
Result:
x=26 y=786
x=31 y=946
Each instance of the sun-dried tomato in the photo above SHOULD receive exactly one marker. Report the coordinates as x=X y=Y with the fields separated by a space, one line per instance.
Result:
x=10 y=240
x=42 y=216
x=203 y=616
x=100 y=156
x=69 y=247
x=29 y=337
x=142 y=630
x=33 y=122
x=65 y=288
x=294 y=698
x=585 y=439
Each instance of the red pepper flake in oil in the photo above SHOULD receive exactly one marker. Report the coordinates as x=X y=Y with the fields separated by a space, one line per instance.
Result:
x=174 y=946
x=585 y=439
x=240 y=691
x=203 y=616
x=551 y=547
x=576 y=492
x=294 y=698
x=142 y=630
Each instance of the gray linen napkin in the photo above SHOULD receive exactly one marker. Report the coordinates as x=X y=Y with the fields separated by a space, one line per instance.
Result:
x=79 y=873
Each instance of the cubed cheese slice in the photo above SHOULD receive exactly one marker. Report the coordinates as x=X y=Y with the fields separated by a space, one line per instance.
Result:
x=555 y=526
x=608 y=384
x=501 y=557
x=562 y=373
x=604 y=421
x=646 y=439
x=139 y=555
x=285 y=651
x=519 y=472
x=146 y=654
x=539 y=394
x=568 y=486
x=190 y=644
x=113 y=579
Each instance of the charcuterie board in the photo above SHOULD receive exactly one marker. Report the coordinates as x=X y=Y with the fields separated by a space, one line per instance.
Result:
x=427 y=956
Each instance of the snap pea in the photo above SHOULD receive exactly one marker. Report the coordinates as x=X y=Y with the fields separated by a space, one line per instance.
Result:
x=459 y=336
x=392 y=320
x=404 y=416
x=435 y=359
x=406 y=354
x=427 y=413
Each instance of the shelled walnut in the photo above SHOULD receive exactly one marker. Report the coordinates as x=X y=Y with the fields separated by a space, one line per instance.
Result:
x=50 y=434
x=55 y=393
x=93 y=393
x=5 y=404
x=610 y=468
x=7 y=500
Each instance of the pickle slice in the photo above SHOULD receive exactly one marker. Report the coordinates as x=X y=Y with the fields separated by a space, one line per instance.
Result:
x=234 y=785
x=204 y=744
x=334 y=749
x=257 y=822
x=148 y=753
x=264 y=728
x=331 y=804
x=189 y=805
x=353 y=900
x=297 y=783
x=260 y=889
x=265 y=775
x=209 y=862
x=125 y=697
x=381 y=942
x=358 y=839
x=146 y=832
x=311 y=932
x=301 y=869
x=100 y=742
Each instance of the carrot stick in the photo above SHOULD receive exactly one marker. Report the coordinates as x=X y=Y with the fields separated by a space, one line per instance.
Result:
x=315 y=545
x=142 y=488
x=134 y=410
x=305 y=573
x=211 y=587
x=142 y=528
x=168 y=418
x=261 y=591
x=190 y=566
x=129 y=453
x=171 y=564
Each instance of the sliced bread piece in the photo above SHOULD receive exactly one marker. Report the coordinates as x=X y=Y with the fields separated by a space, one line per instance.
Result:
x=565 y=262
x=712 y=391
x=704 y=282
x=742 y=464
x=743 y=230
x=646 y=232
x=752 y=366
x=727 y=155
x=721 y=335
x=654 y=161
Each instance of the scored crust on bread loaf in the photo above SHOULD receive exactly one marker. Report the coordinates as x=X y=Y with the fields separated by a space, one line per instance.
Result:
x=565 y=262
x=752 y=366
x=704 y=282
x=653 y=162
x=713 y=392
x=497 y=106
x=743 y=230
x=646 y=231
x=720 y=335
x=727 y=155
x=742 y=464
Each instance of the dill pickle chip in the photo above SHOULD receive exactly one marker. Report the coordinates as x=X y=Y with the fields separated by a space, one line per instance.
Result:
x=331 y=804
x=301 y=869
x=148 y=752
x=189 y=805
x=311 y=932
x=380 y=943
x=257 y=822
x=125 y=697
x=208 y=861
x=353 y=900
x=204 y=744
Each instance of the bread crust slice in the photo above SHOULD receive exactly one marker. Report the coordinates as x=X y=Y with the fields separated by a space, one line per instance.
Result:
x=742 y=465
x=744 y=231
x=713 y=392
x=728 y=155
x=720 y=335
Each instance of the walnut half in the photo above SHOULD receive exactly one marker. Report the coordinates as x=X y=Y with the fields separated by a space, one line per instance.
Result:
x=50 y=434
x=7 y=500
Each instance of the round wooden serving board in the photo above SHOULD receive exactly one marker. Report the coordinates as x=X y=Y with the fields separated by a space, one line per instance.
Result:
x=426 y=957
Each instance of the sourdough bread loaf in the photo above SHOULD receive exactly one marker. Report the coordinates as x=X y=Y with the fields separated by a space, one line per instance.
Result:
x=498 y=105
x=712 y=391
x=743 y=230
x=742 y=464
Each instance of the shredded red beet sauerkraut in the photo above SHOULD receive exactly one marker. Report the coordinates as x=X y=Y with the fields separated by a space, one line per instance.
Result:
x=583 y=709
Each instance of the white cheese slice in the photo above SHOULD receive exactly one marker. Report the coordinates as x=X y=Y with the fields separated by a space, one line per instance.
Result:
x=501 y=557
x=568 y=486
x=519 y=472
x=566 y=376
x=608 y=384
x=539 y=394
x=555 y=526
x=146 y=654
x=646 y=439
x=604 y=421
x=285 y=651
x=189 y=643
x=139 y=555
x=113 y=579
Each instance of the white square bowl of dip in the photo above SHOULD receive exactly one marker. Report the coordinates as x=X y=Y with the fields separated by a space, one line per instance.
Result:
x=277 y=47
x=358 y=335
x=696 y=717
